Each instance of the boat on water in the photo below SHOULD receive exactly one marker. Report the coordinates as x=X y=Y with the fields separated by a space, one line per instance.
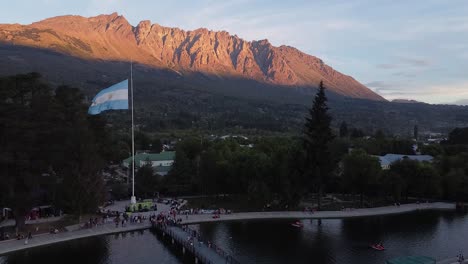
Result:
x=297 y=224
x=378 y=247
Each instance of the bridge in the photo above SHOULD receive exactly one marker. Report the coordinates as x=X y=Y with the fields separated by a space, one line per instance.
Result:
x=189 y=242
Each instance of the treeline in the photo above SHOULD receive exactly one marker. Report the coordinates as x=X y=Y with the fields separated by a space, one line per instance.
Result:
x=272 y=171
x=51 y=149
x=265 y=172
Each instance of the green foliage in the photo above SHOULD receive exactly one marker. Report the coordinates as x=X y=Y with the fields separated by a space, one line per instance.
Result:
x=49 y=134
x=453 y=167
x=458 y=136
x=357 y=133
x=265 y=172
x=381 y=145
x=146 y=182
x=434 y=150
x=119 y=190
x=420 y=179
x=360 y=172
x=344 y=130
x=316 y=141
x=156 y=145
x=416 y=132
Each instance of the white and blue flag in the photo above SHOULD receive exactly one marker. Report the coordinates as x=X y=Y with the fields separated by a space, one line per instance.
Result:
x=114 y=97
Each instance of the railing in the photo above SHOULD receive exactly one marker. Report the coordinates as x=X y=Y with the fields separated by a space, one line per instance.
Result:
x=218 y=250
x=190 y=246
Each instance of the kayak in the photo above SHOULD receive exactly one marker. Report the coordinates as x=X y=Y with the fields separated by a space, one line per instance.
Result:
x=297 y=224
x=378 y=247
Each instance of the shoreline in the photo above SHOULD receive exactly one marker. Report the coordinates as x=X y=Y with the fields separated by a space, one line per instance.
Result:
x=11 y=246
x=294 y=215
x=50 y=239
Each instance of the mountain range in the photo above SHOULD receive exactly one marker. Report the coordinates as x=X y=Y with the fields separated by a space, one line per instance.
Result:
x=204 y=79
x=218 y=55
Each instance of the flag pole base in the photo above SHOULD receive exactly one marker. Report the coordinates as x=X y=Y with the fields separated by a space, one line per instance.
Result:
x=133 y=200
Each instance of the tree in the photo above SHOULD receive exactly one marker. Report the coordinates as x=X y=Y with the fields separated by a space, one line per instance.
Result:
x=408 y=170
x=148 y=182
x=81 y=140
x=379 y=135
x=357 y=133
x=360 y=172
x=142 y=141
x=393 y=184
x=416 y=132
x=316 y=140
x=344 y=130
x=180 y=177
x=458 y=136
x=26 y=117
x=156 y=145
x=42 y=133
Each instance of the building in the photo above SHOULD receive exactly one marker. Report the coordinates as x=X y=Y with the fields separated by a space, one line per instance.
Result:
x=388 y=159
x=161 y=162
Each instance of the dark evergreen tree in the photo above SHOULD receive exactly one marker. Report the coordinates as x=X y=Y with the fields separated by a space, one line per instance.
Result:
x=81 y=153
x=458 y=136
x=357 y=133
x=416 y=132
x=147 y=184
x=344 y=130
x=316 y=140
x=379 y=135
x=156 y=145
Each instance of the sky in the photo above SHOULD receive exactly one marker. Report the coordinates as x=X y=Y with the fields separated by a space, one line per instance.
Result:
x=414 y=49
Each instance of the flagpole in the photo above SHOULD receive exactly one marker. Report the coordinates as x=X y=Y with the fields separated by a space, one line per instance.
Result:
x=133 y=198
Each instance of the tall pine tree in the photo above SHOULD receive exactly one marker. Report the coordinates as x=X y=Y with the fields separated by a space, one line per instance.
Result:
x=344 y=130
x=317 y=136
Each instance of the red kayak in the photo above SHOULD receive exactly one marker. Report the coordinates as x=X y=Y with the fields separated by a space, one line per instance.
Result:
x=297 y=224
x=378 y=247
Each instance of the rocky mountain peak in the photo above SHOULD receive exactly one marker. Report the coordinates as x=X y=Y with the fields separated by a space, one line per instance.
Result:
x=216 y=53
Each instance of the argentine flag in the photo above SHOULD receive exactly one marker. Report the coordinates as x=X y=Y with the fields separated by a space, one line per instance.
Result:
x=114 y=97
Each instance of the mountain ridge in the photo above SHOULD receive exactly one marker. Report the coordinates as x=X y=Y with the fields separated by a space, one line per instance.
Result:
x=214 y=53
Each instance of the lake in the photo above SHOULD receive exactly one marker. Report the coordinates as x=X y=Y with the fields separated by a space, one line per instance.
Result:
x=436 y=234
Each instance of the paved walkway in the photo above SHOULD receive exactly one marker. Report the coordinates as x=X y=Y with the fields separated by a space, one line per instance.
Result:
x=39 y=240
x=294 y=215
x=11 y=222
x=47 y=239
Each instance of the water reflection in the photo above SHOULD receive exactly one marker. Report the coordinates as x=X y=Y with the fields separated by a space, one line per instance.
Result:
x=92 y=250
x=435 y=234
x=139 y=247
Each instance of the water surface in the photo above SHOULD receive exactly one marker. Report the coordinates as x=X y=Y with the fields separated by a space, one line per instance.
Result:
x=436 y=234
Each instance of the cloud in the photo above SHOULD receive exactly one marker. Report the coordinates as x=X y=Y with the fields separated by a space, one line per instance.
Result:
x=405 y=62
x=404 y=74
x=461 y=102
x=415 y=62
x=387 y=66
x=441 y=93
x=378 y=84
x=342 y=24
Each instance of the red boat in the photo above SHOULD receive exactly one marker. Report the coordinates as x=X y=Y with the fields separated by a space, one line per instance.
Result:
x=378 y=247
x=297 y=224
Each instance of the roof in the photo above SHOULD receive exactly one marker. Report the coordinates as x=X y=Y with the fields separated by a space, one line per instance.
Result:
x=390 y=158
x=165 y=155
x=412 y=260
